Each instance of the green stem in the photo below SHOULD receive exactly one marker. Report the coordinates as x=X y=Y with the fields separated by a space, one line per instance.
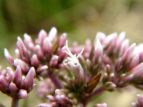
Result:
x=14 y=102
x=95 y=93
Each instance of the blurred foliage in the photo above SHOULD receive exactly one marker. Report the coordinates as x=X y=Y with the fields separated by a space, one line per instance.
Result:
x=19 y=16
x=80 y=18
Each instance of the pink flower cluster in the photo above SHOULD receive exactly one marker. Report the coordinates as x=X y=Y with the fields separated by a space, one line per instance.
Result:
x=71 y=76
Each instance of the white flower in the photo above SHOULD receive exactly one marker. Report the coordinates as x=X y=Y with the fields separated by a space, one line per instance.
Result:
x=72 y=62
x=98 y=46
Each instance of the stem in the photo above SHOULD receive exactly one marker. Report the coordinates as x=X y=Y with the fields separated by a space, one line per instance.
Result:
x=14 y=102
x=95 y=93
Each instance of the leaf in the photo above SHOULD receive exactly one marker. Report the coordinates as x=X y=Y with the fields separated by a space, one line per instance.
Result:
x=92 y=83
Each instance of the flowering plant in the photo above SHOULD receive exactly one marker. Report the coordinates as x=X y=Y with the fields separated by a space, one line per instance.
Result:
x=71 y=76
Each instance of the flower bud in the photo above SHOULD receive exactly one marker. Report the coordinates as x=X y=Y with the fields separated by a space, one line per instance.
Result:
x=101 y=105
x=28 y=41
x=127 y=56
x=39 y=52
x=52 y=34
x=23 y=65
x=110 y=39
x=29 y=79
x=45 y=105
x=134 y=62
x=61 y=53
x=8 y=57
x=98 y=50
x=98 y=47
x=45 y=87
x=9 y=74
x=42 y=68
x=139 y=102
x=41 y=36
x=124 y=46
x=101 y=36
x=35 y=61
x=22 y=94
x=13 y=88
x=119 y=41
x=47 y=46
x=18 y=77
x=140 y=99
x=3 y=83
x=21 y=47
x=62 y=40
x=138 y=70
x=87 y=49
x=54 y=61
x=17 y=53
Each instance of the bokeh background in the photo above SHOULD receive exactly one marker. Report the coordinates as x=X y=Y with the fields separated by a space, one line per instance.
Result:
x=81 y=19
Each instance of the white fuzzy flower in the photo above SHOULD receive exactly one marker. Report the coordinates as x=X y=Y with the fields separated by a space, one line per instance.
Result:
x=72 y=62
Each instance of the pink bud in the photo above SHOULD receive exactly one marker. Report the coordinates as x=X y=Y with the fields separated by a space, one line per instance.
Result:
x=9 y=74
x=140 y=100
x=54 y=61
x=76 y=49
x=119 y=41
x=61 y=54
x=21 y=47
x=39 y=52
x=28 y=41
x=45 y=88
x=101 y=105
x=110 y=47
x=106 y=59
x=98 y=48
x=51 y=98
x=138 y=70
x=22 y=94
x=3 y=83
x=52 y=34
x=17 y=53
x=128 y=53
x=18 y=77
x=109 y=39
x=24 y=67
x=124 y=46
x=119 y=65
x=134 y=104
x=101 y=36
x=8 y=57
x=13 y=88
x=134 y=62
x=44 y=105
x=47 y=45
x=35 y=61
x=41 y=36
x=42 y=68
x=141 y=56
x=87 y=49
x=139 y=51
x=62 y=40
x=29 y=79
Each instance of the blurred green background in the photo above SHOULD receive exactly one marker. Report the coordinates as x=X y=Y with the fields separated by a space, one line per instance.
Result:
x=79 y=18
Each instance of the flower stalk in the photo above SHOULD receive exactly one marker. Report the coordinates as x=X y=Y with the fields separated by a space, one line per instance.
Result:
x=15 y=102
